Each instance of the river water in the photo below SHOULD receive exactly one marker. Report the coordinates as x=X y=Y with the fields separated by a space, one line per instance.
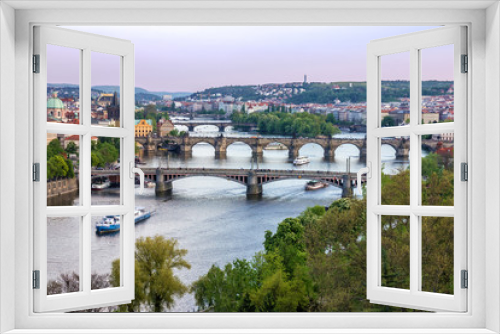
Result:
x=210 y=217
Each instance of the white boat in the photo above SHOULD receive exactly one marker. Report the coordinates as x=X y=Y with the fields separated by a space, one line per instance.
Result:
x=301 y=161
x=314 y=185
x=275 y=146
x=100 y=183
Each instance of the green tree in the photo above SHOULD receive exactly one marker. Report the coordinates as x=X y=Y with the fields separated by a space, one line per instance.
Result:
x=72 y=148
x=156 y=286
x=150 y=109
x=388 y=121
x=57 y=167
x=54 y=148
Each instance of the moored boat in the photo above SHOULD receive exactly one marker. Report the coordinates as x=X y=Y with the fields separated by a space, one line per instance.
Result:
x=100 y=183
x=315 y=184
x=275 y=146
x=301 y=161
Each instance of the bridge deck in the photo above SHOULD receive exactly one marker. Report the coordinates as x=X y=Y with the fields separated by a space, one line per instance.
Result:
x=230 y=172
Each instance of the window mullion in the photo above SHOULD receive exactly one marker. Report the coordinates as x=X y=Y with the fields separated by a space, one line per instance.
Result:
x=85 y=172
x=414 y=170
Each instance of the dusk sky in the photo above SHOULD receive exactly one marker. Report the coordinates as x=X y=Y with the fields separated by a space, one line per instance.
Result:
x=194 y=58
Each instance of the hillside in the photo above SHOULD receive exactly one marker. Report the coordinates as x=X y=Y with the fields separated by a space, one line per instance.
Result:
x=140 y=93
x=321 y=92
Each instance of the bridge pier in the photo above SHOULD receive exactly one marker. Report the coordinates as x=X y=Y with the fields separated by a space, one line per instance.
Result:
x=221 y=148
x=163 y=188
x=346 y=186
x=293 y=152
x=186 y=151
x=257 y=151
x=222 y=154
x=254 y=188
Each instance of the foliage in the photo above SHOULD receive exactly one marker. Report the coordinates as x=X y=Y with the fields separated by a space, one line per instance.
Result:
x=156 y=258
x=280 y=123
x=70 y=282
x=58 y=164
x=388 y=121
x=105 y=151
x=317 y=261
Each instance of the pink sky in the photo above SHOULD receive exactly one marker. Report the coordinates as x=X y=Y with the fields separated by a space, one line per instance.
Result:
x=194 y=58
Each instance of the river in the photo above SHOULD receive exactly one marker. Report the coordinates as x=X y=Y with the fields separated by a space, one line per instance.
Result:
x=210 y=217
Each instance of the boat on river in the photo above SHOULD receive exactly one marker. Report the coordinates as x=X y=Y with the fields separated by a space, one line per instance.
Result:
x=100 y=183
x=301 y=161
x=315 y=184
x=276 y=146
x=111 y=223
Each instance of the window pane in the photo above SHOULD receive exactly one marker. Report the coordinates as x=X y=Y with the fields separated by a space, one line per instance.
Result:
x=63 y=255
x=106 y=249
x=437 y=169
x=395 y=251
x=105 y=81
x=437 y=84
x=395 y=89
x=437 y=254
x=395 y=178
x=105 y=171
x=63 y=84
x=63 y=163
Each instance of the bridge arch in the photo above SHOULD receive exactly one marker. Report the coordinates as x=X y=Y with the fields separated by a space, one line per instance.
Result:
x=336 y=181
x=201 y=146
x=315 y=149
x=348 y=149
x=389 y=149
x=242 y=179
x=233 y=147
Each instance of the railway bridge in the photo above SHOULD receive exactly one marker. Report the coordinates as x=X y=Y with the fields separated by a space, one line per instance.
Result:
x=253 y=179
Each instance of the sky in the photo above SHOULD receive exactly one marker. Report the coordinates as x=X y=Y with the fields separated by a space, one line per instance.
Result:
x=193 y=58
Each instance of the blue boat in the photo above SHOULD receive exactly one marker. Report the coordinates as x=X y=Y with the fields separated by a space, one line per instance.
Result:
x=112 y=223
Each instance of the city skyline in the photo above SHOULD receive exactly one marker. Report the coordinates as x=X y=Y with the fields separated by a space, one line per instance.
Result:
x=195 y=58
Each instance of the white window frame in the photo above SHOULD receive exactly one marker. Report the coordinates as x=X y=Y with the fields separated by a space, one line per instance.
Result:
x=414 y=297
x=85 y=43
x=484 y=238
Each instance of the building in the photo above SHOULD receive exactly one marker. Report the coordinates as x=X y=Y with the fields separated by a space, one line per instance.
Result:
x=143 y=127
x=428 y=117
x=166 y=127
x=55 y=108
x=105 y=100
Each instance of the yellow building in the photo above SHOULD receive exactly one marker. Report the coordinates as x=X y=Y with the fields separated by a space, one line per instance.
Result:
x=143 y=127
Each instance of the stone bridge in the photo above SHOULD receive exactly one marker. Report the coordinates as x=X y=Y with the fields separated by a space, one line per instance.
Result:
x=253 y=179
x=258 y=144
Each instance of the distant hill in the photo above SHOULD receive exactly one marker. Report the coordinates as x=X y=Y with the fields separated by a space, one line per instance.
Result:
x=323 y=92
x=140 y=93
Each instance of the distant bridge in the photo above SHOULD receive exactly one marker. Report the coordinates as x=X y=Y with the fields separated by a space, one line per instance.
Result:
x=221 y=124
x=258 y=144
x=253 y=179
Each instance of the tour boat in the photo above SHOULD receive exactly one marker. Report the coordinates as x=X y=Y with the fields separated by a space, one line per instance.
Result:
x=112 y=223
x=301 y=161
x=100 y=183
x=313 y=185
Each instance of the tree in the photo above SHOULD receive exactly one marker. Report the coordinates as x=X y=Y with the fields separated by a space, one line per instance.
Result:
x=56 y=167
x=388 y=121
x=72 y=148
x=54 y=148
x=156 y=258
x=150 y=109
